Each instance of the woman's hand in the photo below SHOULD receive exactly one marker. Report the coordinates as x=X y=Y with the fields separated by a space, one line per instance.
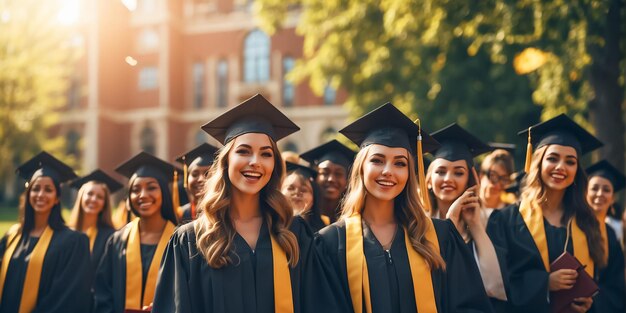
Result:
x=582 y=305
x=562 y=279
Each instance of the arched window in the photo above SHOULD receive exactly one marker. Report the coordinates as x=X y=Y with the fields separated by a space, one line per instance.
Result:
x=256 y=56
x=148 y=140
x=200 y=138
x=222 y=84
x=198 y=85
x=329 y=95
x=289 y=90
x=72 y=138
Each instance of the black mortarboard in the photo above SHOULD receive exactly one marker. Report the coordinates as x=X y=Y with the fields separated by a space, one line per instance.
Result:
x=100 y=177
x=509 y=147
x=147 y=165
x=387 y=126
x=559 y=130
x=202 y=155
x=332 y=151
x=516 y=183
x=607 y=170
x=255 y=115
x=304 y=170
x=458 y=144
x=45 y=164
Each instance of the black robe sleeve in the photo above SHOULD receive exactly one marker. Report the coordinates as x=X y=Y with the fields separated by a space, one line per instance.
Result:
x=524 y=275
x=110 y=282
x=611 y=281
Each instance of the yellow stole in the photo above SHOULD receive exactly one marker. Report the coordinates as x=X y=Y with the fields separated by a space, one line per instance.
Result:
x=533 y=217
x=605 y=239
x=283 y=298
x=30 y=289
x=92 y=233
x=325 y=219
x=134 y=274
x=358 y=278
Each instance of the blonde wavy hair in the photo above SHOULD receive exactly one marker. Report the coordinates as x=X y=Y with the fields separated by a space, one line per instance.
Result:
x=78 y=214
x=574 y=203
x=214 y=229
x=408 y=208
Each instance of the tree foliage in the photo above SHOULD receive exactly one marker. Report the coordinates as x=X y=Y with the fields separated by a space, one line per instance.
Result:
x=494 y=66
x=35 y=55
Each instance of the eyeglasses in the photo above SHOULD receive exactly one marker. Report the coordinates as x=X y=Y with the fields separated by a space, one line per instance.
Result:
x=494 y=178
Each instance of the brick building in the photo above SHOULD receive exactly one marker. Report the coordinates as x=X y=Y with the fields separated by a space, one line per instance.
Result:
x=154 y=71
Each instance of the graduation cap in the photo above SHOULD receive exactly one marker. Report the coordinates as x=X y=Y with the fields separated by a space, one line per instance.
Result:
x=458 y=144
x=147 y=165
x=202 y=155
x=509 y=147
x=255 y=115
x=389 y=127
x=44 y=164
x=100 y=177
x=332 y=151
x=516 y=183
x=308 y=172
x=607 y=170
x=560 y=130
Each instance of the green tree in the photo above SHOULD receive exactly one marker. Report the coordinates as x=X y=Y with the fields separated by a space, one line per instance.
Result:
x=467 y=61
x=35 y=58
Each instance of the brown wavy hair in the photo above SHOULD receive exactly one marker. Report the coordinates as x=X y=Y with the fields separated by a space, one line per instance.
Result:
x=104 y=217
x=214 y=229
x=407 y=206
x=574 y=203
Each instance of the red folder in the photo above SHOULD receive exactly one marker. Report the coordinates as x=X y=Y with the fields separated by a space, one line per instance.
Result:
x=584 y=287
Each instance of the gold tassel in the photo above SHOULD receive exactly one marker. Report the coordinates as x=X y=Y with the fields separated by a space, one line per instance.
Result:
x=420 y=170
x=185 y=172
x=529 y=153
x=175 y=196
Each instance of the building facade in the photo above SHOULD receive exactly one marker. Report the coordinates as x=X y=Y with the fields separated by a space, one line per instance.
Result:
x=154 y=71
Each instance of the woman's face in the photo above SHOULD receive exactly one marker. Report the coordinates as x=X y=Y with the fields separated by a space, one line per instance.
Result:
x=43 y=195
x=493 y=182
x=600 y=194
x=299 y=191
x=385 y=171
x=93 y=198
x=558 y=167
x=146 y=196
x=449 y=179
x=196 y=179
x=250 y=162
x=332 y=179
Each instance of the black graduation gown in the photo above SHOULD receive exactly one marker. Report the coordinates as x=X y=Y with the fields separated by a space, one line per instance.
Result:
x=610 y=299
x=65 y=274
x=186 y=214
x=104 y=232
x=457 y=289
x=525 y=277
x=110 y=284
x=188 y=284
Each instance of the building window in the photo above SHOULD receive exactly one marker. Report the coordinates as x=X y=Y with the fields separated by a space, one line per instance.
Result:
x=148 y=78
x=72 y=137
x=200 y=138
x=328 y=134
x=73 y=94
x=148 y=140
x=290 y=146
x=256 y=57
x=198 y=85
x=289 y=90
x=222 y=84
x=148 y=39
x=329 y=95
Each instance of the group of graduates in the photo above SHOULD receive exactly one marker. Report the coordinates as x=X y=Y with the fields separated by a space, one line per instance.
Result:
x=369 y=231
